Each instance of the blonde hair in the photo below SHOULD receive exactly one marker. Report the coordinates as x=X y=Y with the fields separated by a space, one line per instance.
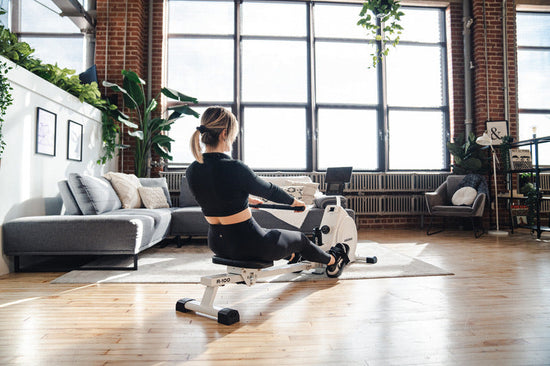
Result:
x=214 y=121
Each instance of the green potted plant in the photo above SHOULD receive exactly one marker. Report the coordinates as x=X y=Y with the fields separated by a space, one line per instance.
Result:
x=148 y=130
x=6 y=100
x=530 y=191
x=381 y=19
x=468 y=156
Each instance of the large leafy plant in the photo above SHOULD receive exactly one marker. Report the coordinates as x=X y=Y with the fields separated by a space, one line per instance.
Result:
x=381 y=19
x=149 y=130
x=468 y=156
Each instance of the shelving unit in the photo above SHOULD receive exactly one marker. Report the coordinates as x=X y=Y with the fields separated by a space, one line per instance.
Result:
x=535 y=171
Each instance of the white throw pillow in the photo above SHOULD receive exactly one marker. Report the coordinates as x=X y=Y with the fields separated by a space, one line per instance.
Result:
x=464 y=196
x=153 y=197
x=126 y=187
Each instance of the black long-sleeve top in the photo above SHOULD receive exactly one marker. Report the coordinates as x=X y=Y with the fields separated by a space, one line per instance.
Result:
x=221 y=185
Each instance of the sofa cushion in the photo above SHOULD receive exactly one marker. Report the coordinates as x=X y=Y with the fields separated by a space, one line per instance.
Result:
x=153 y=197
x=93 y=195
x=189 y=221
x=71 y=206
x=126 y=187
x=161 y=217
x=186 y=197
x=157 y=182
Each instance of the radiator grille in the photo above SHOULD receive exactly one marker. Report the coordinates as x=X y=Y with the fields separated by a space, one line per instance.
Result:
x=367 y=193
x=545 y=182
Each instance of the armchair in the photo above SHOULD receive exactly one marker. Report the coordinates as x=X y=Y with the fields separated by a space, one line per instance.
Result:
x=439 y=203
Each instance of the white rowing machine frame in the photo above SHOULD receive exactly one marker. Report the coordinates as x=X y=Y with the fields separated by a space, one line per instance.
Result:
x=336 y=227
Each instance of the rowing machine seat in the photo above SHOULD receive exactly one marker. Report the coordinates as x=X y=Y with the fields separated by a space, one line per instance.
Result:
x=241 y=263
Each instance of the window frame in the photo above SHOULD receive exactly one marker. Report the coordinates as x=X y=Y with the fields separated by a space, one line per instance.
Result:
x=312 y=107
x=519 y=48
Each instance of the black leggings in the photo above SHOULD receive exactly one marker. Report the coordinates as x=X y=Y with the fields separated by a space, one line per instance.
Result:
x=248 y=241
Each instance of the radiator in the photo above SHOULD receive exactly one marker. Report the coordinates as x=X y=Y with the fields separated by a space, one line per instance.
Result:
x=367 y=193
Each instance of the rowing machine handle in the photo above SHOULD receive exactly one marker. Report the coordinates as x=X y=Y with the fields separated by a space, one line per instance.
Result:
x=279 y=207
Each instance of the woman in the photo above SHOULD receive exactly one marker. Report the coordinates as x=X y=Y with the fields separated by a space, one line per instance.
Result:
x=221 y=186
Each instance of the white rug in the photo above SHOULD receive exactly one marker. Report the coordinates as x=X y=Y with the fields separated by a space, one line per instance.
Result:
x=189 y=263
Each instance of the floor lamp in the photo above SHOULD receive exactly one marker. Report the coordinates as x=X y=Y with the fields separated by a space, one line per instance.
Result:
x=485 y=140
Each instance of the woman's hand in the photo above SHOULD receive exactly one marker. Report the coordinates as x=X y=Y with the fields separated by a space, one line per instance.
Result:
x=298 y=203
x=254 y=201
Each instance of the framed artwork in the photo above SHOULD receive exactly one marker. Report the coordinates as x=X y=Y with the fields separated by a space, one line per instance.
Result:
x=74 y=141
x=497 y=130
x=46 y=130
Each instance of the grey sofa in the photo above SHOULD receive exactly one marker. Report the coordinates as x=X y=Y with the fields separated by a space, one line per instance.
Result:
x=94 y=222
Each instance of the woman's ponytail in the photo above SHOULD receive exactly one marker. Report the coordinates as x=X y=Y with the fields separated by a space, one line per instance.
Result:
x=196 y=146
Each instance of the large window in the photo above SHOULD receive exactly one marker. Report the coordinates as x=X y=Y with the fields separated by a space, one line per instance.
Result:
x=304 y=93
x=533 y=38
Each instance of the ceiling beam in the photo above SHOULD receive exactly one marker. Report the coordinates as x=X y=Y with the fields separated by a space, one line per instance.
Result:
x=73 y=10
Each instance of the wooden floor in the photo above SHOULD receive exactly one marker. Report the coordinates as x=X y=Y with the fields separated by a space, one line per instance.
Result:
x=495 y=310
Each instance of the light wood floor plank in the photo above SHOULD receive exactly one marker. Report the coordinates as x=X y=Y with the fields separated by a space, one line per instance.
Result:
x=494 y=310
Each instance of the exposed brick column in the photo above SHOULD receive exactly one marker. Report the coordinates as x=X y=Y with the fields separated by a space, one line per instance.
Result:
x=489 y=70
x=121 y=43
x=489 y=102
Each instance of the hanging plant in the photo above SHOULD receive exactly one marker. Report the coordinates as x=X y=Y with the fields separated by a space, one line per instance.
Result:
x=381 y=19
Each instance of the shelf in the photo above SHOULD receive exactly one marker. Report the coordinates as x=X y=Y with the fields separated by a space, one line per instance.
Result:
x=532 y=170
x=513 y=194
x=534 y=227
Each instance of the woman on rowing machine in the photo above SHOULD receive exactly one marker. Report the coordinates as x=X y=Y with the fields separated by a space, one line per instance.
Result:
x=222 y=185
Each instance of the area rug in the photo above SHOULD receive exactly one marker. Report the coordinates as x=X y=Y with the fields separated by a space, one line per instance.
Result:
x=189 y=263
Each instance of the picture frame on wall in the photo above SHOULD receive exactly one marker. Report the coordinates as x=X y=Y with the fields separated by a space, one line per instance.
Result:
x=46 y=131
x=497 y=130
x=74 y=141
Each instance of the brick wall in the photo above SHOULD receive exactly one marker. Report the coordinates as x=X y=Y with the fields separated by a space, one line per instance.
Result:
x=122 y=43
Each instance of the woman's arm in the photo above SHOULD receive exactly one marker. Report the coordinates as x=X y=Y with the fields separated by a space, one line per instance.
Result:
x=256 y=186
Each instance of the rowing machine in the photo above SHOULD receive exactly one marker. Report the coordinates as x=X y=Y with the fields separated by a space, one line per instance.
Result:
x=335 y=228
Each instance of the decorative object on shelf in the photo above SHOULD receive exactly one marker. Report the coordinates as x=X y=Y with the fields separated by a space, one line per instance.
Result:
x=530 y=191
x=520 y=159
x=505 y=147
x=468 y=156
x=148 y=131
x=46 y=131
x=74 y=141
x=497 y=130
x=381 y=19
x=486 y=140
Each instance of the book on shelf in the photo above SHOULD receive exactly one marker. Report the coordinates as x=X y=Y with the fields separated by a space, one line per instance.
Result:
x=520 y=159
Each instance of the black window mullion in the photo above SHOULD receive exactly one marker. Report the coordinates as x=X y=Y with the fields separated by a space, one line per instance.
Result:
x=383 y=133
x=238 y=150
x=311 y=116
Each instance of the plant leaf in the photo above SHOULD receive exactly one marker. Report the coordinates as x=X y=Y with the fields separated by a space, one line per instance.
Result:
x=137 y=134
x=174 y=94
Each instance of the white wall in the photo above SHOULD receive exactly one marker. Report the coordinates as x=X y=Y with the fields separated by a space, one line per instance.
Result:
x=28 y=181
